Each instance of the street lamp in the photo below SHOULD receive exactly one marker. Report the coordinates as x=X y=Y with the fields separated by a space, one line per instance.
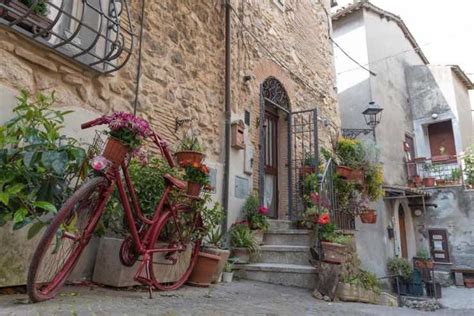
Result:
x=372 y=116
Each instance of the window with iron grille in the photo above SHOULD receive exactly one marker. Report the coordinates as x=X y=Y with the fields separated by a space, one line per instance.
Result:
x=97 y=34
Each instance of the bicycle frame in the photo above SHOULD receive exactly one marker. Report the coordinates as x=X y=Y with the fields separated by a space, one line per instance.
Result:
x=141 y=238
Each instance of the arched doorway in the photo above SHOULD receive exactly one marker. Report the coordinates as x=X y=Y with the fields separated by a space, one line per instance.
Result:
x=403 y=232
x=274 y=108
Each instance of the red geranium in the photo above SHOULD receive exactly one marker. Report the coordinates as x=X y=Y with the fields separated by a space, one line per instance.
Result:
x=324 y=219
x=263 y=210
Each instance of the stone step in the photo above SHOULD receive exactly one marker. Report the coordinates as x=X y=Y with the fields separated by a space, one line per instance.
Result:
x=290 y=237
x=275 y=273
x=284 y=254
x=280 y=224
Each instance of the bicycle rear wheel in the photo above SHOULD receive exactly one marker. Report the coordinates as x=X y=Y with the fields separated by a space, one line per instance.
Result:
x=169 y=271
x=66 y=237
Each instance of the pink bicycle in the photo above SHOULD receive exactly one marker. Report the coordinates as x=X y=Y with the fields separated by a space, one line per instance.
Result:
x=73 y=226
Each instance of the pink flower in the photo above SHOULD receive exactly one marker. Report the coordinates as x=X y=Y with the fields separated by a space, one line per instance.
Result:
x=263 y=210
x=120 y=120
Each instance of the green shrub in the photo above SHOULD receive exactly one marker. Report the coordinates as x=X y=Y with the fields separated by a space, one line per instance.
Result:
x=365 y=279
x=241 y=237
x=37 y=162
x=254 y=214
x=400 y=267
x=351 y=153
x=374 y=182
x=149 y=186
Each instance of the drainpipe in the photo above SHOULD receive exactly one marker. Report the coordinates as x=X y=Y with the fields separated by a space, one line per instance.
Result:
x=227 y=107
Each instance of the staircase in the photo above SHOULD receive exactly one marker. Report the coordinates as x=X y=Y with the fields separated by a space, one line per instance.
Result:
x=283 y=259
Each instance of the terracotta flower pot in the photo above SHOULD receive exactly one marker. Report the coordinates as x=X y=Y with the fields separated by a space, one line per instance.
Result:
x=334 y=253
x=307 y=170
x=368 y=217
x=204 y=270
x=424 y=263
x=189 y=157
x=344 y=172
x=194 y=188
x=241 y=254
x=429 y=182
x=115 y=151
x=440 y=182
x=223 y=254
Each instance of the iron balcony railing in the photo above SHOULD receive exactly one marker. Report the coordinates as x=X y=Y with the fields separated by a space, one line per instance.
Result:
x=438 y=171
x=94 y=33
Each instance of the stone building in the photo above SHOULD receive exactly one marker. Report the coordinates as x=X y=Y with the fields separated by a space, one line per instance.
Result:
x=280 y=62
x=183 y=75
x=422 y=106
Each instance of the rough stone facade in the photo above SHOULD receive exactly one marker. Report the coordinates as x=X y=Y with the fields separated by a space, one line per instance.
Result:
x=183 y=70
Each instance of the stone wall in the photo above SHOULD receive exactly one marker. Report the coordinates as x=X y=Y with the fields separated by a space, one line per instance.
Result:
x=454 y=212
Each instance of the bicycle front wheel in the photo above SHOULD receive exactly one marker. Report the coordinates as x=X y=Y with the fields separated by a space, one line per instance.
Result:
x=169 y=271
x=66 y=237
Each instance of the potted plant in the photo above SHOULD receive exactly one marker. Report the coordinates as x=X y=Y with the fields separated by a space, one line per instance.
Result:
x=211 y=259
x=456 y=175
x=228 y=274
x=37 y=163
x=197 y=176
x=335 y=245
x=36 y=22
x=423 y=259
x=401 y=268
x=126 y=133
x=189 y=151
x=242 y=242
x=309 y=165
x=428 y=180
x=360 y=286
x=214 y=246
x=256 y=218
x=368 y=216
x=351 y=156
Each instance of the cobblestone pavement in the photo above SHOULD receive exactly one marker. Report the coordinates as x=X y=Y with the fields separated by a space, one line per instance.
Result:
x=237 y=298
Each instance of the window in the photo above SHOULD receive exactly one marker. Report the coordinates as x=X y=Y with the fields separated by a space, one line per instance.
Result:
x=441 y=139
x=95 y=33
x=439 y=245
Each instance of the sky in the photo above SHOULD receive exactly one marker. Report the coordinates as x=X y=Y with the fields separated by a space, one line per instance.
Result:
x=443 y=29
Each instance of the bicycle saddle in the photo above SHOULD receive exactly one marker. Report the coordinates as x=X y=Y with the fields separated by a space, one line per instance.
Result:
x=174 y=181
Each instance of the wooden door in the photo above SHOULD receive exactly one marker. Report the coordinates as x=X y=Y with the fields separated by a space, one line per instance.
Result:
x=441 y=136
x=403 y=232
x=271 y=163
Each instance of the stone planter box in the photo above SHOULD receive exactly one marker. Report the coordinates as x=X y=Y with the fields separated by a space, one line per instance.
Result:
x=16 y=252
x=109 y=270
x=353 y=293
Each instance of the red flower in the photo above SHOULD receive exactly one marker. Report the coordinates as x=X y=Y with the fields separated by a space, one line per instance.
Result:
x=263 y=210
x=324 y=219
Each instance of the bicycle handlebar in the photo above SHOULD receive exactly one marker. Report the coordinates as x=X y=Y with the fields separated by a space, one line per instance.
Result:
x=162 y=144
x=97 y=121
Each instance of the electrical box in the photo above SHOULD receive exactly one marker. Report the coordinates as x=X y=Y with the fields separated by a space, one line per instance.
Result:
x=237 y=135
